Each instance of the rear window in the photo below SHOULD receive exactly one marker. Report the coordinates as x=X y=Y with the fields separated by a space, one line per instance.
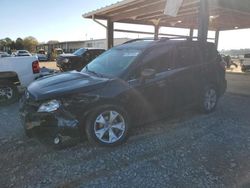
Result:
x=79 y=52
x=210 y=53
x=186 y=56
x=22 y=52
x=247 y=56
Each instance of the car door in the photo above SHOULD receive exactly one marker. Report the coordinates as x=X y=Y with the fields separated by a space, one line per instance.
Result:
x=185 y=84
x=153 y=95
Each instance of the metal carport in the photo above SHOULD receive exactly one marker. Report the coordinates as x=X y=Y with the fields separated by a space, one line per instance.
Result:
x=204 y=15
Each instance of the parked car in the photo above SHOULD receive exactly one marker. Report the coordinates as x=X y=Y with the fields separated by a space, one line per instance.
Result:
x=79 y=59
x=129 y=84
x=245 y=65
x=58 y=51
x=4 y=54
x=42 y=56
x=22 y=53
x=54 y=53
x=228 y=61
x=16 y=73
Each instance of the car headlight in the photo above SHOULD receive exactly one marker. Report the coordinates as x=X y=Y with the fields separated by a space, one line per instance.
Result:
x=66 y=60
x=50 y=106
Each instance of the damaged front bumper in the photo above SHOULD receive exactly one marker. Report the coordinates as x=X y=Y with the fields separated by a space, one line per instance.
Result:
x=54 y=124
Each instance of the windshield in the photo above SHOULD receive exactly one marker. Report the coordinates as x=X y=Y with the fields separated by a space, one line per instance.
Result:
x=79 y=51
x=112 y=62
x=41 y=52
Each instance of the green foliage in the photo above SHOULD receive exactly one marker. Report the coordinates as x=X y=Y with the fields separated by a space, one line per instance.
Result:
x=19 y=44
x=28 y=43
x=52 y=42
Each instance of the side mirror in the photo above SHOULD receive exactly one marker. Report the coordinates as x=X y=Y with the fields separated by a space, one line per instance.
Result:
x=148 y=74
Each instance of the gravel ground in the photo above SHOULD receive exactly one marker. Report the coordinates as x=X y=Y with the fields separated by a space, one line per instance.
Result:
x=188 y=150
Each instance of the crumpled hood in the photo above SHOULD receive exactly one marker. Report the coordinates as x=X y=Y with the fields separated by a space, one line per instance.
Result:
x=64 y=84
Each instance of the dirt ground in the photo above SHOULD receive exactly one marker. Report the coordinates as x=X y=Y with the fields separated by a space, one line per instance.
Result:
x=49 y=65
x=189 y=149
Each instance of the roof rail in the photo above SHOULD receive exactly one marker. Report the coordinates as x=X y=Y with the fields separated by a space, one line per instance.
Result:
x=139 y=39
x=174 y=38
x=161 y=39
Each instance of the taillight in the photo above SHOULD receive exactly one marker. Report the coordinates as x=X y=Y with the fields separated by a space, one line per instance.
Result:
x=36 y=67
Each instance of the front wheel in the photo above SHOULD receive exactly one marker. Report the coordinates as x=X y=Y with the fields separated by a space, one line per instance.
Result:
x=8 y=92
x=209 y=99
x=107 y=126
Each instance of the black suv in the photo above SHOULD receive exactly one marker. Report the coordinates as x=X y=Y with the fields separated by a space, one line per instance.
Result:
x=127 y=85
x=79 y=59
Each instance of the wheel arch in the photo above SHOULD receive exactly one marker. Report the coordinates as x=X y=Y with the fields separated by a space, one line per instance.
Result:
x=10 y=76
x=105 y=103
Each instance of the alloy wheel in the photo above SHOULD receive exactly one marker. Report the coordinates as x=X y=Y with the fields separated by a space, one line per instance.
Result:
x=210 y=99
x=109 y=127
x=6 y=93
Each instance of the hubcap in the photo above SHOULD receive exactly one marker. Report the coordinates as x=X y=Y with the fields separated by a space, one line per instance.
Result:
x=210 y=99
x=6 y=93
x=109 y=127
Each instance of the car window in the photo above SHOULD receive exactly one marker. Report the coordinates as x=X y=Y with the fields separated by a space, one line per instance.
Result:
x=22 y=52
x=209 y=53
x=186 y=56
x=79 y=51
x=112 y=62
x=160 y=59
x=94 y=54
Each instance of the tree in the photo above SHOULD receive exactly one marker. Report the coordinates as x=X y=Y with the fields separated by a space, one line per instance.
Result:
x=19 y=44
x=8 y=42
x=52 y=42
x=30 y=43
x=2 y=44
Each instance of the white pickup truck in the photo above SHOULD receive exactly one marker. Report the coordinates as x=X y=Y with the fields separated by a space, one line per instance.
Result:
x=16 y=73
x=245 y=65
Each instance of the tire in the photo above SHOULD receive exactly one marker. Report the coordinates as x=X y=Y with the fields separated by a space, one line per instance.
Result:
x=243 y=69
x=107 y=126
x=209 y=99
x=8 y=92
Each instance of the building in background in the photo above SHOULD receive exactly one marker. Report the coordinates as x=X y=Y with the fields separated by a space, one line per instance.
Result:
x=71 y=46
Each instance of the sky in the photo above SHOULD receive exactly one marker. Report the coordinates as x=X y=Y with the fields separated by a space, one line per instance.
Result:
x=62 y=20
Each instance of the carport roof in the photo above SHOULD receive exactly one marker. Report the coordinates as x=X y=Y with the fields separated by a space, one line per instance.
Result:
x=224 y=14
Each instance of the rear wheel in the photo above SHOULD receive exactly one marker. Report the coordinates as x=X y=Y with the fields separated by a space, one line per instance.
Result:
x=209 y=99
x=107 y=126
x=8 y=92
x=243 y=69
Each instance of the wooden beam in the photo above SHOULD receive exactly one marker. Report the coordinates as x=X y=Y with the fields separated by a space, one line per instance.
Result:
x=191 y=33
x=153 y=7
x=203 y=21
x=217 y=34
x=130 y=31
x=110 y=34
x=156 y=33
